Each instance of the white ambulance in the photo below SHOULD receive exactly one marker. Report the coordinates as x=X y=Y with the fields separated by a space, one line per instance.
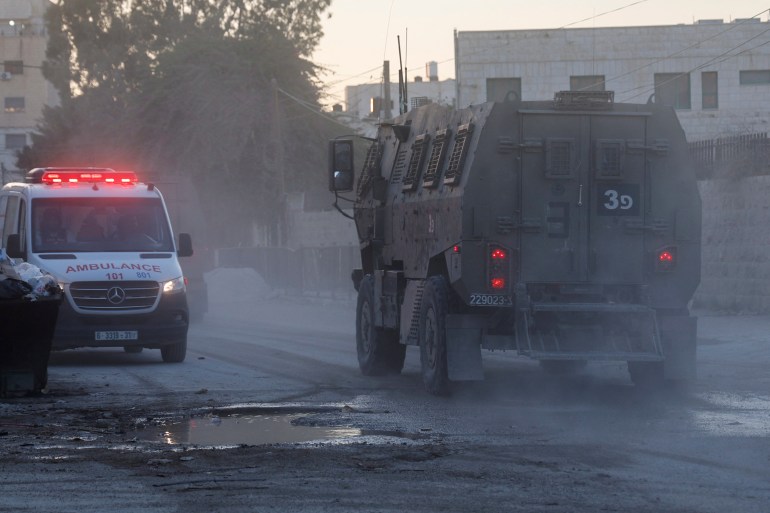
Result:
x=107 y=239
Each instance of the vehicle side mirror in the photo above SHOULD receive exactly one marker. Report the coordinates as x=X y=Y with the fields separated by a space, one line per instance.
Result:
x=14 y=248
x=341 y=174
x=185 y=248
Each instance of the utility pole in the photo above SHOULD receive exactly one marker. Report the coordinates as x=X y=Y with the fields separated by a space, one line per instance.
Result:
x=387 y=114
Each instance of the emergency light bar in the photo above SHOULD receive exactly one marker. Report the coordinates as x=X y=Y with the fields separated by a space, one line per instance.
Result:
x=52 y=175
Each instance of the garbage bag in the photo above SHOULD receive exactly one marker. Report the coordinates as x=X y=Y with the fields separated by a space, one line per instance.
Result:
x=14 y=289
x=46 y=285
x=28 y=272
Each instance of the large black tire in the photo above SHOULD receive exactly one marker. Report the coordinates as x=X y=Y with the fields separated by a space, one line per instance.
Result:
x=433 y=358
x=174 y=353
x=379 y=352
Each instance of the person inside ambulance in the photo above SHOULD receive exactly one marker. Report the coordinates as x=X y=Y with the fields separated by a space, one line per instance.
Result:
x=52 y=231
x=90 y=230
x=129 y=232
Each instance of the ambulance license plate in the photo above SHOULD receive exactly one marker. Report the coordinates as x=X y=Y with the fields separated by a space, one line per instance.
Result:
x=117 y=335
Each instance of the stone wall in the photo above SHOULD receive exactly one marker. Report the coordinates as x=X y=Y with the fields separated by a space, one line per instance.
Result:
x=735 y=273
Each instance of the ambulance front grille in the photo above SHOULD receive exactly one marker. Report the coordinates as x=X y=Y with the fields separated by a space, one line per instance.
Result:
x=114 y=295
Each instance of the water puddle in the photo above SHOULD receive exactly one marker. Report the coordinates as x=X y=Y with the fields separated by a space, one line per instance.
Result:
x=236 y=429
x=735 y=415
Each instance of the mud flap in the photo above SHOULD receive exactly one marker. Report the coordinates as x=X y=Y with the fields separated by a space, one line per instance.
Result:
x=463 y=352
x=678 y=336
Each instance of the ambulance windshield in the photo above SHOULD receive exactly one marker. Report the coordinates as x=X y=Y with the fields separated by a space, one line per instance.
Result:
x=74 y=225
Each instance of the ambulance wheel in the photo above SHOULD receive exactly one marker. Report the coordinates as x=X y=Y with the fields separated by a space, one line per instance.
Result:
x=379 y=352
x=133 y=349
x=433 y=358
x=646 y=374
x=174 y=353
x=41 y=382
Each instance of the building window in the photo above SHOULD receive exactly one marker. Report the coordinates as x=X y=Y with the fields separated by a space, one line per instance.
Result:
x=673 y=89
x=14 y=104
x=418 y=101
x=755 y=76
x=502 y=89
x=15 y=141
x=13 y=67
x=586 y=83
x=710 y=89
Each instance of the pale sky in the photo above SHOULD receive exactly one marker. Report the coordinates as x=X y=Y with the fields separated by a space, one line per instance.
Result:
x=362 y=33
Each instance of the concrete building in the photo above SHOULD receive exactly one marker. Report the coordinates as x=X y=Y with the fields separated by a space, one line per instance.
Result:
x=716 y=74
x=367 y=101
x=23 y=90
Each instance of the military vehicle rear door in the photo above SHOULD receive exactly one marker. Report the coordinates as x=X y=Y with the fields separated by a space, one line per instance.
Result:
x=617 y=209
x=582 y=192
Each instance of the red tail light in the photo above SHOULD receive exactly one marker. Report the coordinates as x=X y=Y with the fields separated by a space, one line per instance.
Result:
x=498 y=268
x=665 y=259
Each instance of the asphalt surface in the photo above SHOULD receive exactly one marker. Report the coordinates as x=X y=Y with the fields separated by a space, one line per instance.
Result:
x=117 y=431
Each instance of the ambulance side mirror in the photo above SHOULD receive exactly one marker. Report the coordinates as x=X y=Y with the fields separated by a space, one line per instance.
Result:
x=341 y=174
x=185 y=248
x=14 y=247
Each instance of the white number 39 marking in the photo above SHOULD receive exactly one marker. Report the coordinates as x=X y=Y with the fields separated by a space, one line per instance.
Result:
x=617 y=201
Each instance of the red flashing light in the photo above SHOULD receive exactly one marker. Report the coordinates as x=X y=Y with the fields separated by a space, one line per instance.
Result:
x=497 y=283
x=78 y=176
x=666 y=257
x=498 y=254
x=456 y=248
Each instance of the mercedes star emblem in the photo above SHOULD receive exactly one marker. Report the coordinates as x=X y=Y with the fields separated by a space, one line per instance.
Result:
x=116 y=295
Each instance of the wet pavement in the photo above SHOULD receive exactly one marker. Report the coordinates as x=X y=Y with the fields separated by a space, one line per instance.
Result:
x=270 y=413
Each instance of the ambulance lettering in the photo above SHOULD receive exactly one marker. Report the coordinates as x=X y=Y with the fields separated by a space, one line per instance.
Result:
x=140 y=271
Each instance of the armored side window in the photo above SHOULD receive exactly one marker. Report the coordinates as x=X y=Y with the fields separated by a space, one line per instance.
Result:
x=436 y=160
x=609 y=157
x=415 y=162
x=371 y=168
x=459 y=151
x=559 y=158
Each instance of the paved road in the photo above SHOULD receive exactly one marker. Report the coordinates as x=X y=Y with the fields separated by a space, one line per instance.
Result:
x=519 y=441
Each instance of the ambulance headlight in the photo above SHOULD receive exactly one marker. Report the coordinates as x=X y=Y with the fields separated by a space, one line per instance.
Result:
x=174 y=286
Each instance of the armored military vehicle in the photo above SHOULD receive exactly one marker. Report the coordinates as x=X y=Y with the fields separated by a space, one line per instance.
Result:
x=566 y=230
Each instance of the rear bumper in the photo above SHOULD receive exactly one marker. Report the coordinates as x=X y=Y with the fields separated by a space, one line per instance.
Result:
x=166 y=325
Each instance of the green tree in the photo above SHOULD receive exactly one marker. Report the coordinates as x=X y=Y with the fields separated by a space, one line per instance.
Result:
x=189 y=86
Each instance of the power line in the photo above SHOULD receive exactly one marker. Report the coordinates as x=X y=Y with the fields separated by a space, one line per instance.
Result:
x=311 y=107
x=714 y=60
x=394 y=75
x=602 y=14
x=694 y=45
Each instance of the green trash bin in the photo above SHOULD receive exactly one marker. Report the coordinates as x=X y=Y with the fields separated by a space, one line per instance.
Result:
x=26 y=331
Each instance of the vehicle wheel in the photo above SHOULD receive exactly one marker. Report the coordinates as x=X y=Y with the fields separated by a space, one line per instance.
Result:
x=133 y=349
x=41 y=381
x=174 y=353
x=563 y=367
x=646 y=374
x=433 y=358
x=379 y=351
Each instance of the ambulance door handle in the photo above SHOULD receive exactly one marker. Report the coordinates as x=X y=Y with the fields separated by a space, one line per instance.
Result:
x=580 y=195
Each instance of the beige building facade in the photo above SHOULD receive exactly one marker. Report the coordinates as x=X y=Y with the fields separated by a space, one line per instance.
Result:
x=23 y=90
x=716 y=74
x=367 y=101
